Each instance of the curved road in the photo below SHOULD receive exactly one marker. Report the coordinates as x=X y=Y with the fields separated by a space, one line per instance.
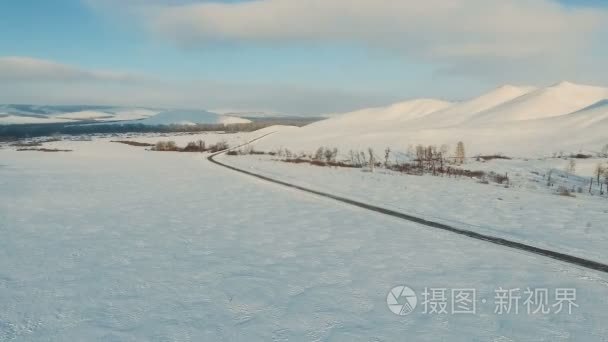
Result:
x=570 y=259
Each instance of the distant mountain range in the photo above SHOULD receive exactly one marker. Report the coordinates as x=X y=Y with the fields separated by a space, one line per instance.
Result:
x=37 y=114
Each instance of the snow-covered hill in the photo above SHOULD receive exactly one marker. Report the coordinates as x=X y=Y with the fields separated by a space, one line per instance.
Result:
x=191 y=117
x=518 y=121
x=33 y=114
x=85 y=115
x=562 y=98
x=463 y=111
x=39 y=114
x=399 y=112
x=8 y=119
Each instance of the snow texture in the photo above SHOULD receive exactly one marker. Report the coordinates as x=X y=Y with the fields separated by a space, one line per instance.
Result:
x=114 y=243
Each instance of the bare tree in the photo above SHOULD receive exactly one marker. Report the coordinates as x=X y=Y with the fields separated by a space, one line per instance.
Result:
x=319 y=154
x=443 y=152
x=387 y=155
x=355 y=159
x=460 y=153
x=410 y=151
x=331 y=155
x=605 y=179
x=599 y=171
x=605 y=151
x=372 y=160
x=420 y=152
x=328 y=155
x=444 y=149
x=571 y=166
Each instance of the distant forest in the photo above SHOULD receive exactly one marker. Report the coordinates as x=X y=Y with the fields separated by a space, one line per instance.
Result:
x=16 y=132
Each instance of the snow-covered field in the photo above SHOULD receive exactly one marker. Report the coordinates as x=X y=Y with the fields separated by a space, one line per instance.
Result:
x=528 y=211
x=111 y=242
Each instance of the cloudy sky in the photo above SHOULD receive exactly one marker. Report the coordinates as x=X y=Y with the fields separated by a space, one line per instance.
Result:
x=292 y=56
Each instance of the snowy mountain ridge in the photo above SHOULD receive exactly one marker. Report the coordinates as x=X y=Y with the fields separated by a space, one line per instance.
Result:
x=519 y=121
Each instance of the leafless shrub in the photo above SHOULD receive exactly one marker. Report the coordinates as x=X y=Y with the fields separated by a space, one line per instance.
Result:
x=319 y=154
x=563 y=191
x=288 y=154
x=581 y=156
x=330 y=155
x=219 y=146
x=498 y=178
x=165 y=146
x=195 y=146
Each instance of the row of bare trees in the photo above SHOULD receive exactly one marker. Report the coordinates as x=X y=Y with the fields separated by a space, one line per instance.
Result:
x=193 y=146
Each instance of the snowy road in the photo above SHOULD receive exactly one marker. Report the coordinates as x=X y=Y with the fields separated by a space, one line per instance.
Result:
x=111 y=243
x=570 y=259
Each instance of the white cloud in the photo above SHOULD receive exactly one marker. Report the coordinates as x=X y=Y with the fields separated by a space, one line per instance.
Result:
x=27 y=69
x=431 y=28
x=36 y=81
x=486 y=42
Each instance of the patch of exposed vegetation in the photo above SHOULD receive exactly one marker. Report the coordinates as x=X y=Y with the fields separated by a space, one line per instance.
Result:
x=132 y=143
x=27 y=144
x=563 y=191
x=43 y=149
x=34 y=143
x=492 y=157
x=581 y=156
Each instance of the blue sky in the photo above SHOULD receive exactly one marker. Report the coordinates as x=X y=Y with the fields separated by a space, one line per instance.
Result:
x=298 y=69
